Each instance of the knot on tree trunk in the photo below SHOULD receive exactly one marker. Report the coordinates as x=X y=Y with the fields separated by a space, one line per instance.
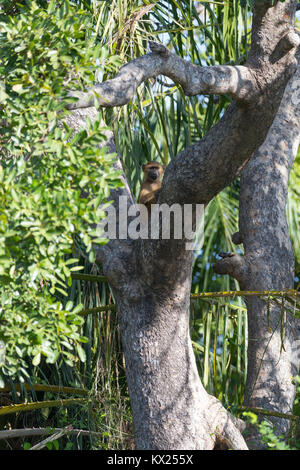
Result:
x=234 y=265
x=158 y=48
x=237 y=238
x=291 y=40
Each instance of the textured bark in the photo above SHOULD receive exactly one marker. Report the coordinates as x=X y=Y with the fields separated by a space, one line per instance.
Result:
x=268 y=263
x=151 y=279
x=171 y=409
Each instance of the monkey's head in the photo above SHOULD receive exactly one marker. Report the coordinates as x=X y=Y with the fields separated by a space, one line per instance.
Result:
x=153 y=171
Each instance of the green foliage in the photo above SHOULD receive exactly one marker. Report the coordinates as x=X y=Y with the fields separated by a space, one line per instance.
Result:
x=53 y=445
x=44 y=167
x=297 y=399
x=270 y=439
x=219 y=332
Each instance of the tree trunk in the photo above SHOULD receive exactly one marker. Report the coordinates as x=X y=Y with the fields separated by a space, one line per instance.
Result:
x=171 y=409
x=273 y=349
x=268 y=264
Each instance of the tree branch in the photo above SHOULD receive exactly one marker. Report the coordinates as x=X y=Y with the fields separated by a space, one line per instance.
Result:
x=232 y=264
x=198 y=173
x=235 y=81
x=202 y=170
x=29 y=432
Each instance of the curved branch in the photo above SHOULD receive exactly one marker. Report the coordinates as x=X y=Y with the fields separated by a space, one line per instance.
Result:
x=235 y=81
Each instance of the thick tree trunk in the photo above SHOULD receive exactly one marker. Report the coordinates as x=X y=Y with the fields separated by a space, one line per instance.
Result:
x=268 y=264
x=273 y=349
x=171 y=409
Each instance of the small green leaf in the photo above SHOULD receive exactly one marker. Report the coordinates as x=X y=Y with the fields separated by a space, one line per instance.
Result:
x=69 y=306
x=37 y=359
x=92 y=256
x=81 y=353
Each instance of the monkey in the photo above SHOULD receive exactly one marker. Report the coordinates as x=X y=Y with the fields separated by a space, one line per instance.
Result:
x=153 y=172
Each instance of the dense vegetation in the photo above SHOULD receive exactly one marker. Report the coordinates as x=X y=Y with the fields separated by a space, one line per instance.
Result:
x=48 y=337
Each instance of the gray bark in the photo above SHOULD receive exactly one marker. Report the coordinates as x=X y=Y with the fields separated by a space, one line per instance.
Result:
x=268 y=263
x=151 y=279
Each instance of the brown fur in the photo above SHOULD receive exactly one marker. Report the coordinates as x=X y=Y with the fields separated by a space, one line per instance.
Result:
x=150 y=187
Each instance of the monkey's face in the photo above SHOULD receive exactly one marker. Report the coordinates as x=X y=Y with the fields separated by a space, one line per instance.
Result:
x=153 y=171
